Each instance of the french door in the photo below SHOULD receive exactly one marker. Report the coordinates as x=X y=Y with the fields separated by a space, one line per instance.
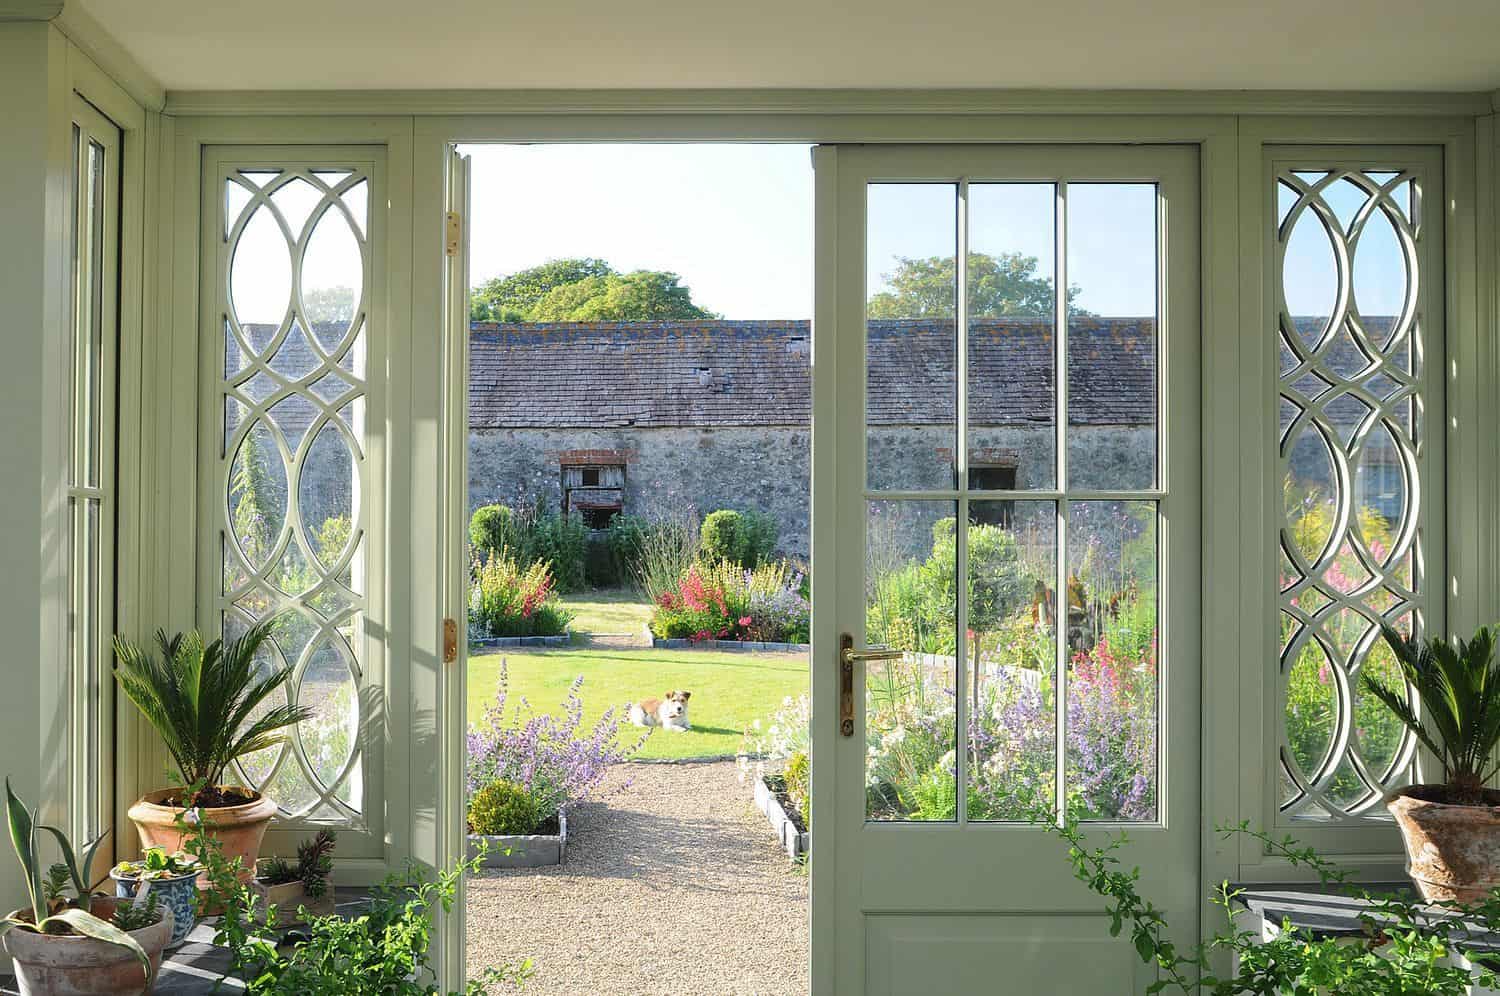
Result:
x=1006 y=492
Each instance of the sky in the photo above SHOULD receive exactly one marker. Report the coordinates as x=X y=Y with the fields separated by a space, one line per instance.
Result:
x=735 y=222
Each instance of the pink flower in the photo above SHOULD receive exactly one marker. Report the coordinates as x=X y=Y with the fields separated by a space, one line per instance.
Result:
x=744 y=620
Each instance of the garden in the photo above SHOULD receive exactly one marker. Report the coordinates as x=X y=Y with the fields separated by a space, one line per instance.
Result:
x=547 y=720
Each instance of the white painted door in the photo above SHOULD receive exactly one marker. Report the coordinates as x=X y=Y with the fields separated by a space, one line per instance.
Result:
x=976 y=424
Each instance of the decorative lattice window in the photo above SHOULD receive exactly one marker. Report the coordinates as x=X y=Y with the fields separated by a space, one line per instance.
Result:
x=292 y=536
x=1357 y=353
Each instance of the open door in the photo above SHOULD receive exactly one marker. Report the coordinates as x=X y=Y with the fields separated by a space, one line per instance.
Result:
x=454 y=643
x=1038 y=438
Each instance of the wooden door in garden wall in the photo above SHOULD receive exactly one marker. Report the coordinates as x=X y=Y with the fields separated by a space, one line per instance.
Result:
x=1034 y=431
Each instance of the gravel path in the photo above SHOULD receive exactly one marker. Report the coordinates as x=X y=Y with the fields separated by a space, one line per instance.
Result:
x=673 y=886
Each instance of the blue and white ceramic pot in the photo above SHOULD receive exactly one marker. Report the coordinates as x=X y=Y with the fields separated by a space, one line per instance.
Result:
x=179 y=894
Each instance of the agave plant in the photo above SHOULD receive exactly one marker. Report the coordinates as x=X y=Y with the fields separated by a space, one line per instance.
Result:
x=205 y=700
x=1458 y=687
x=51 y=913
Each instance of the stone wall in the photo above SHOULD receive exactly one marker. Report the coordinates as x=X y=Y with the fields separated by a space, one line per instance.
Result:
x=767 y=468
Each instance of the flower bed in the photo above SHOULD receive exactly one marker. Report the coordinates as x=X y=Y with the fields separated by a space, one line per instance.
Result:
x=508 y=602
x=741 y=646
x=789 y=826
x=534 y=850
x=716 y=601
x=524 y=770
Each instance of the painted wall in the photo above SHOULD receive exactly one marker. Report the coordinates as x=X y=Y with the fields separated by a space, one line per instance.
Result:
x=33 y=541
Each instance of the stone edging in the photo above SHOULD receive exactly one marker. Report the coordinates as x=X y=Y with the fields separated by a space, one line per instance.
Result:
x=495 y=642
x=743 y=646
x=523 y=850
x=797 y=845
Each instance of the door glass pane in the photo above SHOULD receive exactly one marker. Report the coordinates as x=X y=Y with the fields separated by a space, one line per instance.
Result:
x=1011 y=655
x=1112 y=335
x=294 y=542
x=910 y=378
x=911 y=569
x=1111 y=680
x=1012 y=317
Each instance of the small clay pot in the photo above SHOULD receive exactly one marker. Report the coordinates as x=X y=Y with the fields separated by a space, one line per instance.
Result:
x=72 y=965
x=239 y=829
x=288 y=897
x=1452 y=850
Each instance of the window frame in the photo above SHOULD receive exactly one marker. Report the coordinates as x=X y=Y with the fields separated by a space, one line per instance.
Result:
x=91 y=491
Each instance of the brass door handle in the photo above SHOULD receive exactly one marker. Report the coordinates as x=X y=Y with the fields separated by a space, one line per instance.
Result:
x=847 y=656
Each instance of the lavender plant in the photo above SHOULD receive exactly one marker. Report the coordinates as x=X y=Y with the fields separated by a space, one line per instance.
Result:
x=559 y=766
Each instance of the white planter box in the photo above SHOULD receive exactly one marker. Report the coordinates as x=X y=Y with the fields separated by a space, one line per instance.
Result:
x=522 y=850
x=796 y=843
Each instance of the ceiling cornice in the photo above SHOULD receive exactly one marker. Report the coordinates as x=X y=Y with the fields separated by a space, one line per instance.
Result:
x=30 y=10
x=822 y=102
x=109 y=55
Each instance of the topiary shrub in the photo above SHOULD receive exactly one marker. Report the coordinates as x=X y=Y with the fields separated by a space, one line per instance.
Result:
x=722 y=537
x=758 y=538
x=503 y=808
x=491 y=529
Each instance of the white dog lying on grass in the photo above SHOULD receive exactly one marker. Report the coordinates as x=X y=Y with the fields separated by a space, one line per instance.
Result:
x=669 y=712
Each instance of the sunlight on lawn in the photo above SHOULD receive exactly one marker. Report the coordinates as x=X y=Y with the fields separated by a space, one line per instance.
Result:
x=730 y=690
x=608 y=611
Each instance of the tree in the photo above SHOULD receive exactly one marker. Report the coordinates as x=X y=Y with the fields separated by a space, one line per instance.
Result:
x=583 y=290
x=329 y=304
x=1000 y=286
x=509 y=299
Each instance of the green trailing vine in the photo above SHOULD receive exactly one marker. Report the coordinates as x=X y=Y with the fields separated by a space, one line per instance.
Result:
x=1406 y=948
x=382 y=952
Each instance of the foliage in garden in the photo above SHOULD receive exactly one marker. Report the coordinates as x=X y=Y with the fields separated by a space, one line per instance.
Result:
x=529 y=531
x=1311 y=695
x=505 y=600
x=555 y=762
x=503 y=807
x=720 y=600
x=744 y=538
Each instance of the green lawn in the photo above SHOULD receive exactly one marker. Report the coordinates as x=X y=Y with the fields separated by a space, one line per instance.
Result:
x=729 y=689
x=609 y=611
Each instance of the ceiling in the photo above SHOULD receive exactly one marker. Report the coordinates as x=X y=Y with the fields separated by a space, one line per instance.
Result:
x=492 y=44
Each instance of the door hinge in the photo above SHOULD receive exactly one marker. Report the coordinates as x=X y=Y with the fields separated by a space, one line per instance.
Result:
x=450 y=640
x=454 y=237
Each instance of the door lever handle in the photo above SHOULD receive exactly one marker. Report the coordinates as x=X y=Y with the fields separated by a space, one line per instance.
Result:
x=847 y=656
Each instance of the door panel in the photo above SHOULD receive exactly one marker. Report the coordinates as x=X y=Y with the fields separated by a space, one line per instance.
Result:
x=1023 y=545
x=959 y=954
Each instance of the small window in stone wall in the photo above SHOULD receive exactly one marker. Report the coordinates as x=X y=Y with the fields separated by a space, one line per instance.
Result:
x=593 y=492
x=997 y=477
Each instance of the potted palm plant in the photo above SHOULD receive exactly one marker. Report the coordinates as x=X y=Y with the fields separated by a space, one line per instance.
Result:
x=1451 y=828
x=209 y=703
x=84 y=945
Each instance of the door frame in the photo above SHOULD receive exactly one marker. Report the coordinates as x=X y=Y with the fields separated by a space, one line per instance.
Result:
x=1215 y=137
x=1228 y=129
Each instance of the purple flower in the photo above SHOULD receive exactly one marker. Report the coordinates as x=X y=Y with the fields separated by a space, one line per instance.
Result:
x=547 y=754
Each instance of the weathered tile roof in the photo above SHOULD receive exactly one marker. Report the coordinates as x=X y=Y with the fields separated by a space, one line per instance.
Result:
x=747 y=373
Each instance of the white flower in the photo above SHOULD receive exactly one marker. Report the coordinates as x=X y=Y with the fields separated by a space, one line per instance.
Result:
x=191 y=816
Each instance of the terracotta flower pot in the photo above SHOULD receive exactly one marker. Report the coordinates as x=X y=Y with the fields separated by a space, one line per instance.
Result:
x=288 y=897
x=1452 y=851
x=238 y=828
x=70 y=965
